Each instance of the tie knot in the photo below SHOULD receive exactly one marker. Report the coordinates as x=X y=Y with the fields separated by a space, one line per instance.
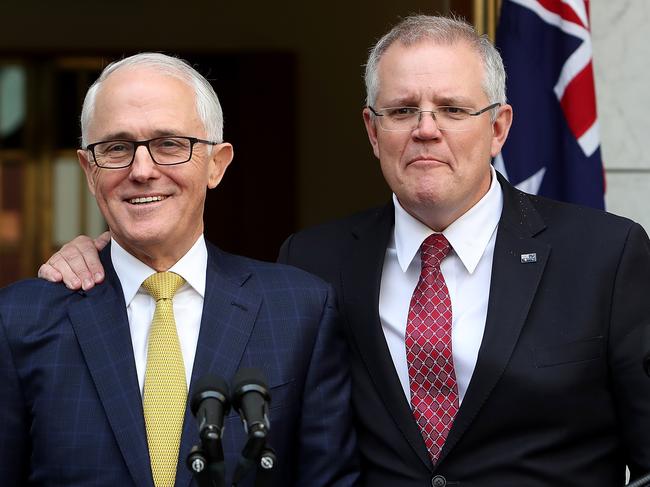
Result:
x=434 y=248
x=163 y=285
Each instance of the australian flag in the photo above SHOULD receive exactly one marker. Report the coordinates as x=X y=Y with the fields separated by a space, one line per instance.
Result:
x=554 y=146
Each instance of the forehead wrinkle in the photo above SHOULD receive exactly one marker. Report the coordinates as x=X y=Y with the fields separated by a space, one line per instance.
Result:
x=410 y=77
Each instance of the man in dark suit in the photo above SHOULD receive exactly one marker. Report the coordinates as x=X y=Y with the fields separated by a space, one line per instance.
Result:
x=497 y=338
x=89 y=381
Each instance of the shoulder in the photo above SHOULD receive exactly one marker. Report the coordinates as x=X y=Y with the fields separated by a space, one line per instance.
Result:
x=323 y=249
x=263 y=275
x=34 y=292
x=595 y=241
x=283 y=293
x=567 y=223
x=583 y=222
x=34 y=302
x=347 y=226
x=329 y=240
x=273 y=274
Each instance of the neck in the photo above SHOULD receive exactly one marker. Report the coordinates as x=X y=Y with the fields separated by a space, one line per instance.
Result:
x=159 y=257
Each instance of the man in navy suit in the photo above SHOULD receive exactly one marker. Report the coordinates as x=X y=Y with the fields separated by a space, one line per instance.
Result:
x=550 y=316
x=73 y=364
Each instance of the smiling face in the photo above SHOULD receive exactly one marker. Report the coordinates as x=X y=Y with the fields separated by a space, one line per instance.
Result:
x=436 y=175
x=154 y=212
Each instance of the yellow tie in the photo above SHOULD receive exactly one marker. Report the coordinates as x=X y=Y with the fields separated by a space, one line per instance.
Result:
x=165 y=389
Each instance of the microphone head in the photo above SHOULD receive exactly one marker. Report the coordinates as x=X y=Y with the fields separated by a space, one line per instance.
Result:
x=247 y=380
x=209 y=386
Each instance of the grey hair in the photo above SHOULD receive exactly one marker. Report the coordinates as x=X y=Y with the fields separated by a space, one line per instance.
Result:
x=207 y=102
x=441 y=30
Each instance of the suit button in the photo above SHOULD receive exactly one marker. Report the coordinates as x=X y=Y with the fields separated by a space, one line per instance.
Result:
x=438 y=481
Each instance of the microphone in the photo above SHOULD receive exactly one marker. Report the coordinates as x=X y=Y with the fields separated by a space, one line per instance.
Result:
x=209 y=405
x=250 y=398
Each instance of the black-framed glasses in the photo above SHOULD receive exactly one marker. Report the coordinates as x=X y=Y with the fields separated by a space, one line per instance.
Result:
x=164 y=151
x=406 y=119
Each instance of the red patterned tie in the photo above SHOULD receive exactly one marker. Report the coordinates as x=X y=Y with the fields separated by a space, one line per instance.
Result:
x=434 y=393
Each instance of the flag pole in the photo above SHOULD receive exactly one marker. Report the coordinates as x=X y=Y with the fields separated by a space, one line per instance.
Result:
x=486 y=16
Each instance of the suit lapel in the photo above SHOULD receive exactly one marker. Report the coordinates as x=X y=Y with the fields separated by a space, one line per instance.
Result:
x=360 y=283
x=229 y=313
x=102 y=329
x=512 y=290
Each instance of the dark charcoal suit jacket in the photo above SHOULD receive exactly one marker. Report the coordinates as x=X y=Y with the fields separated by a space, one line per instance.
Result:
x=70 y=404
x=558 y=396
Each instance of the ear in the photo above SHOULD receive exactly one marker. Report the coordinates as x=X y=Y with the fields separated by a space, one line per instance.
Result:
x=220 y=159
x=500 y=129
x=88 y=168
x=371 y=127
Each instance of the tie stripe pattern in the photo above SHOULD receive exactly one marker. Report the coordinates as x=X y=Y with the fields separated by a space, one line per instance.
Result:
x=165 y=389
x=434 y=392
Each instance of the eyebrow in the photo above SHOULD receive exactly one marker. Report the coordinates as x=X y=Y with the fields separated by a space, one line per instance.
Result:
x=454 y=101
x=401 y=102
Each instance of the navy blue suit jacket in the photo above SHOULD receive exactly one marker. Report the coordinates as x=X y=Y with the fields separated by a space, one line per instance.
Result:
x=70 y=405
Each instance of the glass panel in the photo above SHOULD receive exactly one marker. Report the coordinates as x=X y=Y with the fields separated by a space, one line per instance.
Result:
x=12 y=106
x=66 y=200
x=9 y=267
x=11 y=182
x=95 y=223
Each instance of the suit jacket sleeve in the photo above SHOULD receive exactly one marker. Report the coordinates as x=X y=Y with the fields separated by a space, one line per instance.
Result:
x=327 y=445
x=14 y=446
x=629 y=343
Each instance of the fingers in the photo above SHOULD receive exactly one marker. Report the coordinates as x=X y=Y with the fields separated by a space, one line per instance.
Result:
x=82 y=259
x=77 y=264
x=49 y=273
x=102 y=240
x=56 y=269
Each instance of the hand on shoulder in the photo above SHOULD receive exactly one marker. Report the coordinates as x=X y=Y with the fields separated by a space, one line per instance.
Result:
x=77 y=263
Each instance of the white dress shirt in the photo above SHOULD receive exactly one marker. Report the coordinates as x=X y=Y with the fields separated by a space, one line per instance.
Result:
x=467 y=271
x=140 y=306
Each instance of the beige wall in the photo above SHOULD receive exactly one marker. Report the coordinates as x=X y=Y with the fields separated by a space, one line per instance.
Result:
x=622 y=72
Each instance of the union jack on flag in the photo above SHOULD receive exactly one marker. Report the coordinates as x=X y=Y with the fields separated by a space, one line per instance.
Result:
x=554 y=146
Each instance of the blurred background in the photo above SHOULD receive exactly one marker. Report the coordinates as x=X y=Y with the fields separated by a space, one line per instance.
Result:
x=289 y=77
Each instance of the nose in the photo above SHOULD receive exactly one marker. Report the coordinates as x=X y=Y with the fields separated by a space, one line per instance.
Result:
x=427 y=126
x=143 y=167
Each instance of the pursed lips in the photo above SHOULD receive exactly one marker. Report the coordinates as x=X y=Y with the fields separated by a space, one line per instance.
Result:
x=424 y=159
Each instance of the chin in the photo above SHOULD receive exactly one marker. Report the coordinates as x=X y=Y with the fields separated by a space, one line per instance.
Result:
x=143 y=239
x=431 y=194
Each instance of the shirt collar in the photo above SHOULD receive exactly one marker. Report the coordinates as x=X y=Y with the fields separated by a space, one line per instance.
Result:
x=132 y=272
x=469 y=235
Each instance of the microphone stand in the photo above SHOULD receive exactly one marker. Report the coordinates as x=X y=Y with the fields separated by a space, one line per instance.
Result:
x=199 y=466
x=206 y=462
x=264 y=477
x=256 y=453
